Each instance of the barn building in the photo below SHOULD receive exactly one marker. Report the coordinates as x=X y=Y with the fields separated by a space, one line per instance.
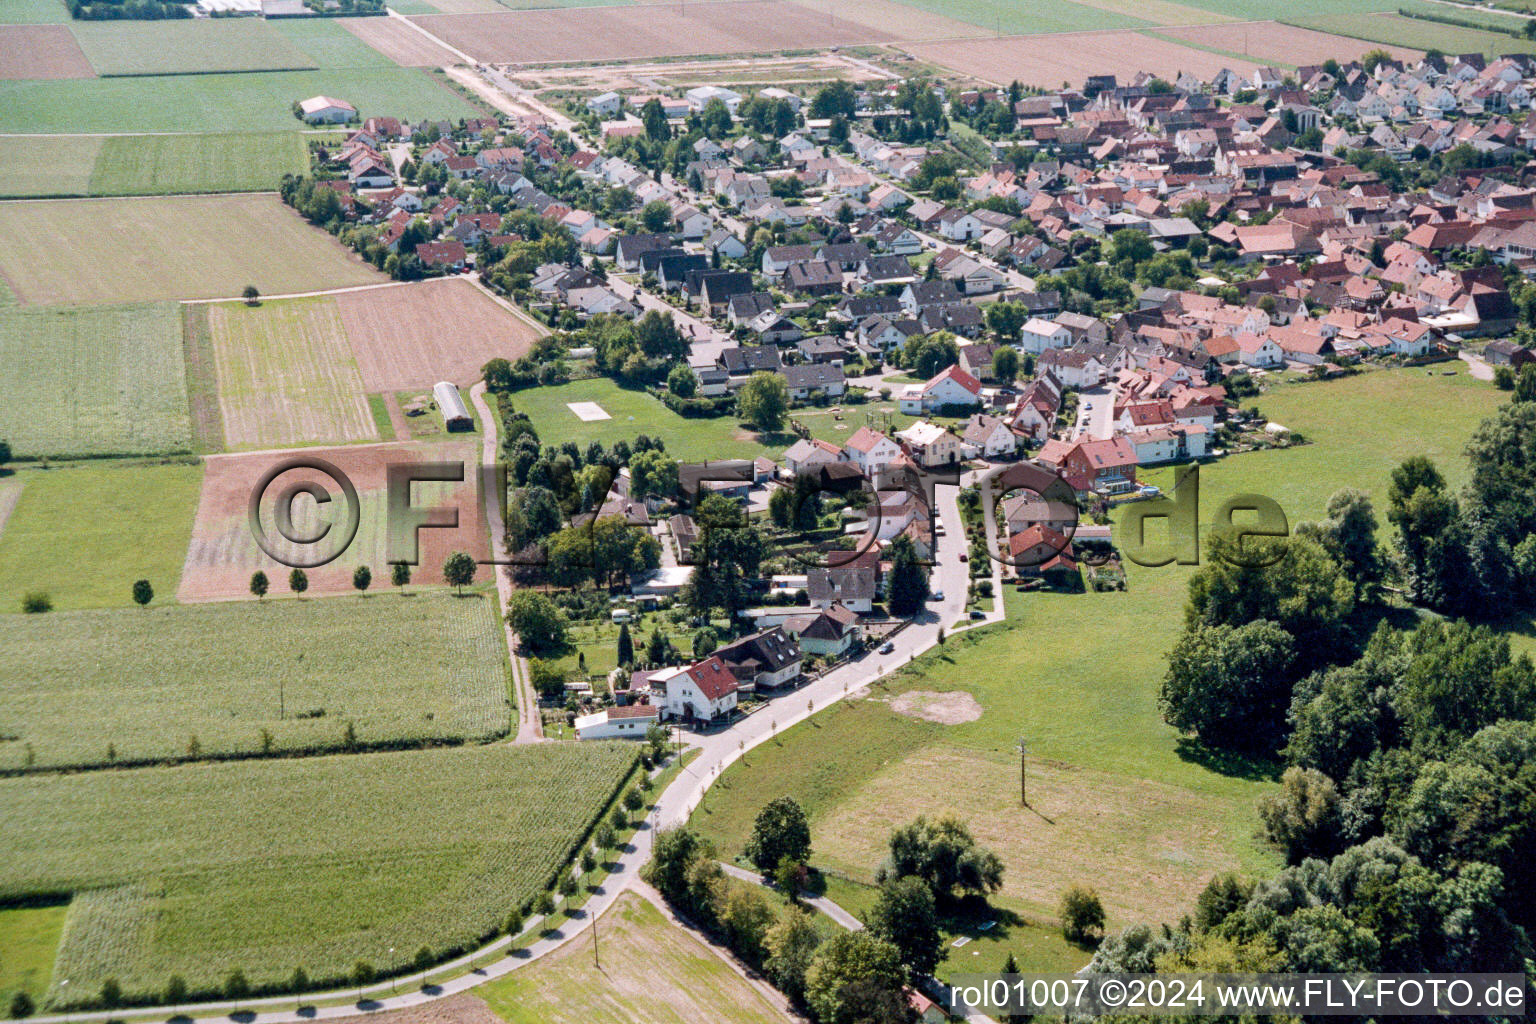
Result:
x=451 y=405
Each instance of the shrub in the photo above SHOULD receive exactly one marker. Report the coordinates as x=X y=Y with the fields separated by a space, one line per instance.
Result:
x=22 y=1006
x=1082 y=915
x=36 y=602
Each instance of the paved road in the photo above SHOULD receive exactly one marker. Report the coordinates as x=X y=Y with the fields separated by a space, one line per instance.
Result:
x=821 y=903
x=705 y=342
x=1097 y=423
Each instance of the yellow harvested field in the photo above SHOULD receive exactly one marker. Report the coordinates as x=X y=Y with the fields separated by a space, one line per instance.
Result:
x=1112 y=826
x=1272 y=41
x=399 y=42
x=1050 y=60
x=286 y=375
x=908 y=23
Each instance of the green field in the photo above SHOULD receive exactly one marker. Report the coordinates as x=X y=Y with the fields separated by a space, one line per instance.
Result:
x=139 y=250
x=101 y=380
x=566 y=988
x=33 y=12
x=253 y=101
x=328 y=44
x=1420 y=33
x=84 y=532
x=47 y=165
x=29 y=937
x=1264 y=10
x=266 y=866
x=1118 y=800
x=147 y=682
x=635 y=412
x=190 y=46
x=1013 y=17
x=140 y=165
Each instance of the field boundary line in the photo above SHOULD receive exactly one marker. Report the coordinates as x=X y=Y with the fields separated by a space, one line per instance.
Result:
x=297 y=295
x=512 y=308
x=466 y=58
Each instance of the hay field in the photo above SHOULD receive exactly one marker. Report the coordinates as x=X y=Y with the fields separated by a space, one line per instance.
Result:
x=104 y=380
x=600 y=33
x=47 y=165
x=105 y=250
x=190 y=46
x=1048 y=61
x=315 y=862
x=223 y=552
x=418 y=334
x=146 y=681
x=399 y=42
x=41 y=51
x=286 y=375
x=1268 y=41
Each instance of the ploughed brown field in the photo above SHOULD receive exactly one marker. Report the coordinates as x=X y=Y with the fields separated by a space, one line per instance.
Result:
x=1049 y=60
x=616 y=33
x=418 y=334
x=41 y=51
x=399 y=42
x=1272 y=41
x=224 y=553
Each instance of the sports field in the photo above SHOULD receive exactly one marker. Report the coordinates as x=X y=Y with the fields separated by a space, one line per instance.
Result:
x=1118 y=801
x=103 y=380
x=418 y=334
x=252 y=101
x=224 y=551
x=188 y=46
x=83 y=532
x=101 y=250
x=317 y=863
x=286 y=375
x=41 y=51
x=635 y=412
x=702 y=985
x=243 y=676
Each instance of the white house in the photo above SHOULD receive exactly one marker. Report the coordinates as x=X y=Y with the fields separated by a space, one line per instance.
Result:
x=950 y=387
x=1039 y=335
x=327 y=110
x=872 y=451
x=930 y=444
x=625 y=723
x=1168 y=444
x=988 y=437
x=606 y=104
x=705 y=691
x=807 y=453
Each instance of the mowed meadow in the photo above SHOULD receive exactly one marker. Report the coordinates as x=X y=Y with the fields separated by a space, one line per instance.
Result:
x=1117 y=799
x=312 y=863
x=241 y=679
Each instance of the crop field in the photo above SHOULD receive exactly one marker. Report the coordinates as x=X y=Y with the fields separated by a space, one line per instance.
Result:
x=418 y=334
x=286 y=375
x=328 y=42
x=1393 y=29
x=317 y=863
x=103 y=251
x=28 y=938
x=399 y=42
x=1115 y=788
x=83 y=532
x=47 y=165
x=35 y=166
x=145 y=682
x=33 y=12
x=255 y=101
x=1025 y=16
x=41 y=51
x=223 y=552
x=104 y=380
x=187 y=46
x=635 y=412
x=1269 y=41
x=701 y=987
x=1050 y=60
x=597 y=34
x=908 y=22
x=1261 y=10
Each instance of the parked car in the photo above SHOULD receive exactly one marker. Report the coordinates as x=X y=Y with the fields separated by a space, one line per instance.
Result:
x=887 y=647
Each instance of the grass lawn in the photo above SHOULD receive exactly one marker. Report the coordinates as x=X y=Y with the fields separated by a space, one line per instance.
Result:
x=103 y=251
x=635 y=412
x=146 y=682
x=1118 y=800
x=316 y=862
x=700 y=987
x=286 y=375
x=29 y=938
x=196 y=45
x=83 y=533
x=1011 y=17
x=33 y=12
x=103 y=380
x=256 y=101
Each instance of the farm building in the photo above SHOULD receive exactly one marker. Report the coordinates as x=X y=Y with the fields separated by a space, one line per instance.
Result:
x=326 y=110
x=625 y=723
x=451 y=405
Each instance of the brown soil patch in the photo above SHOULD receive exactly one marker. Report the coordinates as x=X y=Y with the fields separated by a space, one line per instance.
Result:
x=224 y=553
x=616 y=33
x=464 y=1008
x=1272 y=41
x=415 y=335
x=951 y=708
x=399 y=42
x=41 y=51
x=1049 y=60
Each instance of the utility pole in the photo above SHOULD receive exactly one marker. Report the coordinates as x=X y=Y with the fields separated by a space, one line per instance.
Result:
x=595 y=961
x=1023 y=772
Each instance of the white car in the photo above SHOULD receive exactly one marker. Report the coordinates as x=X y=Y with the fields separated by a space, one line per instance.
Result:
x=887 y=647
